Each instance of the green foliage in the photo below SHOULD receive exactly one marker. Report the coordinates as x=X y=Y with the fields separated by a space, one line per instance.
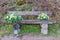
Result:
x=43 y=16
x=30 y=28
x=53 y=29
x=12 y=18
x=20 y=3
x=6 y=29
x=25 y=7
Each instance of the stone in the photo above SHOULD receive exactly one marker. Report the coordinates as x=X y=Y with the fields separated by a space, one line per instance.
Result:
x=44 y=28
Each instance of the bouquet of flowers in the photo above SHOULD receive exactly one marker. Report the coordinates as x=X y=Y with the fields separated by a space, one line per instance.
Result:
x=12 y=18
x=43 y=16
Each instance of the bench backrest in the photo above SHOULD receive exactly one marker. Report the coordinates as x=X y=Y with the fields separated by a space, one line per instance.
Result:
x=33 y=13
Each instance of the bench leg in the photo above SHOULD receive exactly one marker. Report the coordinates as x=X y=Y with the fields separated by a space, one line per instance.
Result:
x=44 y=28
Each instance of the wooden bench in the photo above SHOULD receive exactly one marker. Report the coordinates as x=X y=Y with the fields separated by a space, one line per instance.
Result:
x=44 y=24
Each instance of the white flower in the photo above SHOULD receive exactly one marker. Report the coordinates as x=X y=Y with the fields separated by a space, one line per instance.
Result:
x=7 y=17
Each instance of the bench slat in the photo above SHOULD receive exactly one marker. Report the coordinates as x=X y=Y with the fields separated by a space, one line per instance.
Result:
x=37 y=22
x=30 y=12
x=34 y=22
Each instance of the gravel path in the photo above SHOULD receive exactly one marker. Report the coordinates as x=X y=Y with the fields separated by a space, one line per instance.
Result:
x=29 y=37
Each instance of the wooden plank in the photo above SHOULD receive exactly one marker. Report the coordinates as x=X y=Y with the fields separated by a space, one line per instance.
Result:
x=33 y=22
x=37 y=22
x=30 y=12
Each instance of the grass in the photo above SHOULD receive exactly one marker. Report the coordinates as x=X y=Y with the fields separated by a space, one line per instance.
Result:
x=36 y=29
x=6 y=29
x=30 y=28
x=53 y=29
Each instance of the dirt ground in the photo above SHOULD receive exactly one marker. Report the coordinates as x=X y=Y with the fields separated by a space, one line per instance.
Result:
x=30 y=37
